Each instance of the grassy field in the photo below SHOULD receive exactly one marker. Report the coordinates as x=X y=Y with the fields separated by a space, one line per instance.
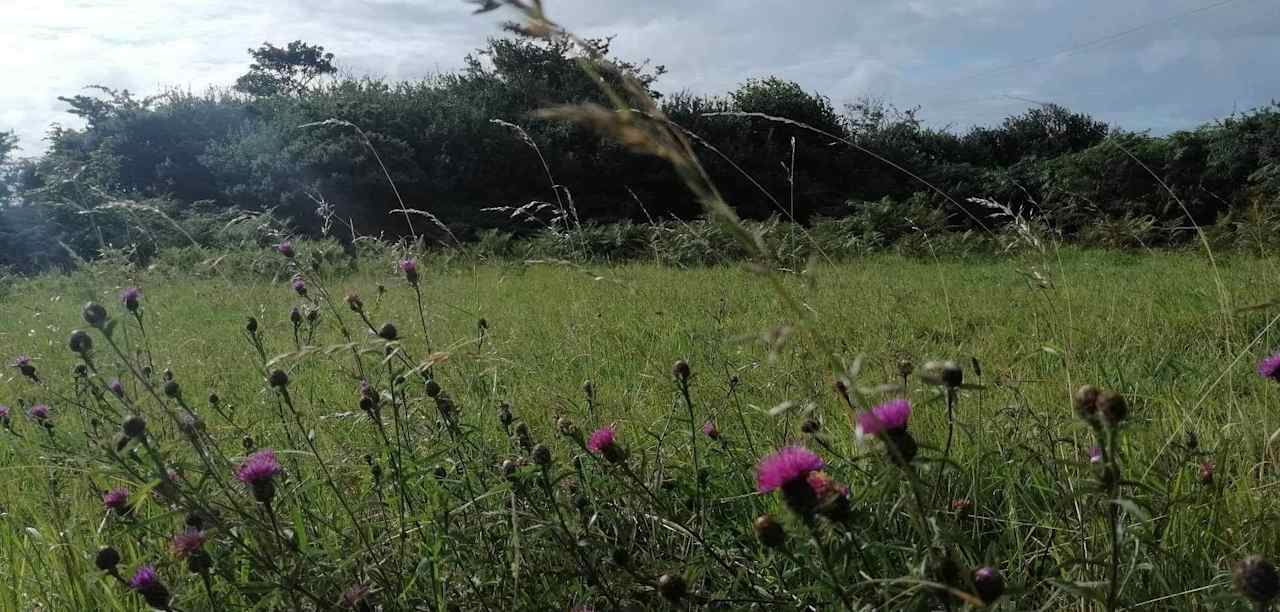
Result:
x=1171 y=332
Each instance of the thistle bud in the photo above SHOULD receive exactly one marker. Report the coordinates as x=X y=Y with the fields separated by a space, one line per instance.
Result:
x=134 y=427
x=80 y=342
x=295 y=316
x=433 y=388
x=107 y=559
x=988 y=584
x=588 y=390
x=952 y=374
x=171 y=389
x=1257 y=580
x=566 y=427
x=1086 y=402
x=905 y=368
x=504 y=415
x=439 y=472
x=1112 y=407
x=541 y=455
x=810 y=426
x=214 y=399
x=94 y=314
x=680 y=370
x=251 y=325
x=508 y=468
x=355 y=303
x=388 y=332
x=278 y=379
x=769 y=531
x=672 y=587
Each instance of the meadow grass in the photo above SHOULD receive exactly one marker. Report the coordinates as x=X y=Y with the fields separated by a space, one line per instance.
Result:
x=489 y=535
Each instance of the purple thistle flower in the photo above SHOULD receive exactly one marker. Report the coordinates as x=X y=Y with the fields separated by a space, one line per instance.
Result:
x=887 y=417
x=285 y=248
x=116 y=387
x=601 y=439
x=4 y=412
x=784 y=466
x=22 y=361
x=354 y=595
x=116 y=499
x=130 y=298
x=1095 y=454
x=188 y=542
x=1270 y=367
x=258 y=467
x=710 y=430
x=299 y=286
x=144 y=578
x=410 y=269
x=39 y=412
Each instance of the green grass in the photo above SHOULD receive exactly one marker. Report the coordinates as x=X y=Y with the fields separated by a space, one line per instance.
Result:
x=1169 y=331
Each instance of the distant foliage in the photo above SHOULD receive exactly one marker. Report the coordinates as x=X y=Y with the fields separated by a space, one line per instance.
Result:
x=448 y=144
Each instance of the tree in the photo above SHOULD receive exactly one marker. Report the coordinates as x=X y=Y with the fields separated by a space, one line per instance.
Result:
x=8 y=144
x=288 y=71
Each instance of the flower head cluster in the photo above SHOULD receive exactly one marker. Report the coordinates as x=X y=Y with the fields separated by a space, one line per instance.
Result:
x=130 y=297
x=259 y=466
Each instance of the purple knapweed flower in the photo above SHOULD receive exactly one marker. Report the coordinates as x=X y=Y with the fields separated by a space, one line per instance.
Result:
x=39 y=412
x=188 y=542
x=787 y=465
x=604 y=442
x=116 y=499
x=130 y=298
x=887 y=417
x=24 y=366
x=116 y=387
x=259 y=466
x=285 y=248
x=410 y=269
x=1270 y=367
x=710 y=430
x=144 y=578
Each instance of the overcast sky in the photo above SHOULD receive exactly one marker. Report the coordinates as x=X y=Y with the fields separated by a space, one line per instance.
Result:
x=1144 y=64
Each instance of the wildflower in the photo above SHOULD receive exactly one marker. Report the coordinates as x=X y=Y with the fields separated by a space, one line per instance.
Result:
x=188 y=542
x=23 y=364
x=961 y=506
x=4 y=414
x=1257 y=580
x=39 y=412
x=788 y=470
x=285 y=248
x=410 y=269
x=299 y=286
x=672 y=587
x=1270 y=367
x=117 y=499
x=602 y=441
x=1206 y=473
x=116 y=387
x=769 y=531
x=107 y=559
x=257 y=471
x=147 y=583
x=710 y=430
x=94 y=314
x=1095 y=454
x=988 y=584
x=884 y=419
x=130 y=298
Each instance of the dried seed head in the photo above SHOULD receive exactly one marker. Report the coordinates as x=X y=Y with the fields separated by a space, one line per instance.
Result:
x=952 y=374
x=355 y=303
x=508 y=468
x=588 y=390
x=80 y=341
x=905 y=368
x=504 y=414
x=672 y=587
x=769 y=531
x=94 y=314
x=566 y=427
x=1257 y=580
